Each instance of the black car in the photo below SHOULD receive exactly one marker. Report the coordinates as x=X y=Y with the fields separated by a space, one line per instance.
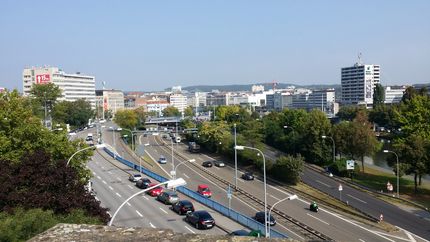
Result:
x=241 y=232
x=248 y=176
x=219 y=163
x=143 y=183
x=259 y=216
x=200 y=219
x=207 y=163
x=183 y=207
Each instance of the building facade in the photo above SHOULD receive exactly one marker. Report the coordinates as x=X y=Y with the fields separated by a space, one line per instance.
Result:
x=112 y=100
x=73 y=86
x=358 y=83
x=178 y=101
x=394 y=94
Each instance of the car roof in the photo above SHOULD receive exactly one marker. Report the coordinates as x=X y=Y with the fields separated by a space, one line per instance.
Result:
x=202 y=212
x=137 y=174
x=240 y=232
x=171 y=192
x=186 y=202
x=203 y=186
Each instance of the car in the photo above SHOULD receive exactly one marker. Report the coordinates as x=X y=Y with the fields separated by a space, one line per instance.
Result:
x=183 y=207
x=204 y=190
x=143 y=183
x=247 y=176
x=219 y=163
x=200 y=219
x=259 y=216
x=240 y=232
x=168 y=197
x=155 y=191
x=162 y=160
x=134 y=177
x=119 y=129
x=207 y=163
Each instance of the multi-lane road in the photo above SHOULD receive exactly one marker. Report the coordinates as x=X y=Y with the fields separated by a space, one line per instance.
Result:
x=333 y=225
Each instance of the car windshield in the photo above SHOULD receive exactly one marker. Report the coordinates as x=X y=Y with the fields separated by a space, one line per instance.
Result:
x=205 y=215
x=205 y=189
x=137 y=175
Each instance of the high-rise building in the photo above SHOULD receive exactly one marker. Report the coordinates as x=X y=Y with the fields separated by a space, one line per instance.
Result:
x=178 y=101
x=73 y=86
x=358 y=83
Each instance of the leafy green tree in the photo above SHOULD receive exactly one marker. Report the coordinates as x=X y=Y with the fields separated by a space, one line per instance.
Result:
x=171 y=111
x=383 y=116
x=348 y=113
x=213 y=134
x=141 y=116
x=343 y=135
x=189 y=112
x=75 y=113
x=43 y=95
x=413 y=116
x=288 y=168
x=253 y=132
x=126 y=118
x=409 y=93
x=378 y=95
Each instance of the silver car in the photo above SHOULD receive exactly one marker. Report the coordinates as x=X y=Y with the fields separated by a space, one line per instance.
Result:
x=168 y=197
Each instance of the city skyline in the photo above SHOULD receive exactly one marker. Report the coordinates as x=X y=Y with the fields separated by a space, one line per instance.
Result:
x=153 y=46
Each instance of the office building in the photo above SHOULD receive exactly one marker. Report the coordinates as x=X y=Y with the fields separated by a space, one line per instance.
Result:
x=73 y=86
x=358 y=83
x=156 y=106
x=394 y=94
x=178 y=101
x=112 y=100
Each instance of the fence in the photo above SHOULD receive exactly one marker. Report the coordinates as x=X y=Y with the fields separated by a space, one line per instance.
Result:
x=230 y=213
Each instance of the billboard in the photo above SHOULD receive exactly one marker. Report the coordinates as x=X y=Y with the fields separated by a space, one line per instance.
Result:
x=43 y=79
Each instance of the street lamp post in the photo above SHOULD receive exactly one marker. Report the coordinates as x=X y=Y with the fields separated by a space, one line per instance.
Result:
x=397 y=157
x=241 y=147
x=292 y=197
x=170 y=184
x=235 y=158
x=173 y=173
x=334 y=146
x=173 y=158
x=132 y=139
x=86 y=148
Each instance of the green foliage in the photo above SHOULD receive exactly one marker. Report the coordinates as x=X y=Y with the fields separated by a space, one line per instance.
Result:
x=126 y=118
x=141 y=116
x=43 y=95
x=75 y=113
x=171 y=111
x=288 y=168
x=188 y=112
x=22 y=225
x=233 y=113
x=378 y=95
x=211 y=134
x=348 y=113
x=252 y=131
x=413 y=116
x=383 y=116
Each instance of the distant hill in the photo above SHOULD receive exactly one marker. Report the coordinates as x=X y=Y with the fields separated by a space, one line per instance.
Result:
x=248 y=87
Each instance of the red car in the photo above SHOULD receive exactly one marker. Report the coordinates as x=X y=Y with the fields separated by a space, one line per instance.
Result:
x=204 y=190
x=155 y=191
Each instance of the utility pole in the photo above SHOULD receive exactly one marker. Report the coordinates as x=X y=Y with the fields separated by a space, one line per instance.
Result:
x=235 y=158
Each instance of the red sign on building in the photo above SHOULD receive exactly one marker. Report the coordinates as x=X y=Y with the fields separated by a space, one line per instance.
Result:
x=43 y=79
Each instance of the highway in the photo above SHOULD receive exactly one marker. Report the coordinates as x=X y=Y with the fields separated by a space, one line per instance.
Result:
x=112 y=187
x=365 y=202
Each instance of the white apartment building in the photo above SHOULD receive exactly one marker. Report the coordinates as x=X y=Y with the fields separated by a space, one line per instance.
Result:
x=112 y=100
x=394 y=94
x=358 y=83
x=73 y=86
x=156 y=106
x=178 y=101
x=323 y=100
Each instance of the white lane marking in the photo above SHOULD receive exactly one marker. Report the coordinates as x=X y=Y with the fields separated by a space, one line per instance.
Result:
x=128 y=204
x=95 y=174
x=356 y=198
x=119 y=179
x=274 y=197
x=186 y=176
x=139 y=214
x=361 y=240
x=325 y=184
x=190 y=229
x=97 y=162
x=130 y=187
x=152 y=226
x=119 y=195
x=216 y=168
x=241 y=180
x=111 y=188
x=145 y=197
x=410 y=233
x=104 y=181
x=396 y=237
x=163 y=210
x=322 y=221
x=103 y=167
x=110 y=172
x=99 y=177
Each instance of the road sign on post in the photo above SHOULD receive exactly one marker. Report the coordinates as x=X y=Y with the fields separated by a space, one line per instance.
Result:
x=350 y=164
x=389 y=187
x=340 y=191
x=229 y=195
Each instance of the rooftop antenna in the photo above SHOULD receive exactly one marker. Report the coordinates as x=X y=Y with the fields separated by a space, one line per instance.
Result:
x=359 y=59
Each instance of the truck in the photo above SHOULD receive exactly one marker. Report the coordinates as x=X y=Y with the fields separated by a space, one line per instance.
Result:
x=193 y=147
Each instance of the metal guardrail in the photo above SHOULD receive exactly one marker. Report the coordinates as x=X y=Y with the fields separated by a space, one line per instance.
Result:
x=230 y=213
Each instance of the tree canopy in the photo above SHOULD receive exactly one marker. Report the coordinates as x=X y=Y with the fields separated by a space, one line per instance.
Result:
x=171 y=111
x=126 y=118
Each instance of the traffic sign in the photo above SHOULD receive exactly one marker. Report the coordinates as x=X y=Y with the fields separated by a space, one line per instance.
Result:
x=340 y=187
x=229 y=192
x=389 y=186
x=350 y=164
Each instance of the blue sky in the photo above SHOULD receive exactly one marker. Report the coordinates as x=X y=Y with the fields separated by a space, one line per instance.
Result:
x=152 y=45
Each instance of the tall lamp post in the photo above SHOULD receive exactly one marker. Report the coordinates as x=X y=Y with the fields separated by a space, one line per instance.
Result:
x=169 y=184
x=235 y=158
x=292 y=197
x=241 y=147
x=397 y=157
x=173 y=173
x=86 y=148
x=132 y=138
x=334 y=146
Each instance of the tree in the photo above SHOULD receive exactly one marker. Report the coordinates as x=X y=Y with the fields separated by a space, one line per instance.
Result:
x=252 y=132
x=171 y=111
x=378 y=95
x=43 y=96
x=188 y=112
x=288 y=168
x=413 y=116
x=409 y=93
x=211 y=134
x=141 y=116
x=76 y=113
x=348 y=113
x=126 y=118
x=343 y=135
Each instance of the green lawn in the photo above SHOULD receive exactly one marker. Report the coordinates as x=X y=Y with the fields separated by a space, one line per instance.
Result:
x=378 y=180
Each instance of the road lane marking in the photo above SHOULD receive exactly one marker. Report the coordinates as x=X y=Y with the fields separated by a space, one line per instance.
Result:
x=274 y=197
x=128 y=204
x=152 y=226
x=163 y=210
x=110 y=172
x=322 y=221
x=99 y=177
x=111 y=188
x=145 y=197
x=97 y=162
x=216 y=168
x=139 y=214
x=190 y=229
x=119 y=195
x=130 y=187
x=186 y=176
x=95 y=174
x=356 y=198
x=104 y=181
x=240 y=179
x=325 y=184
x=119 y=179
x=103 y=167
x=361 y=240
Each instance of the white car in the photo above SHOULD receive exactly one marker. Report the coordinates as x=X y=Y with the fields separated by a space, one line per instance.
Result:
x=134 y=177
x=118 y=129
x=162 y=160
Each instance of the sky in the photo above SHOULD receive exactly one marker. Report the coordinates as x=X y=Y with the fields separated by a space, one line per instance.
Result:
x=153 y=45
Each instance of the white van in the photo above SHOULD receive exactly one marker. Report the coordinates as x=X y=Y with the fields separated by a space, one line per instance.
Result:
x=177 y=139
